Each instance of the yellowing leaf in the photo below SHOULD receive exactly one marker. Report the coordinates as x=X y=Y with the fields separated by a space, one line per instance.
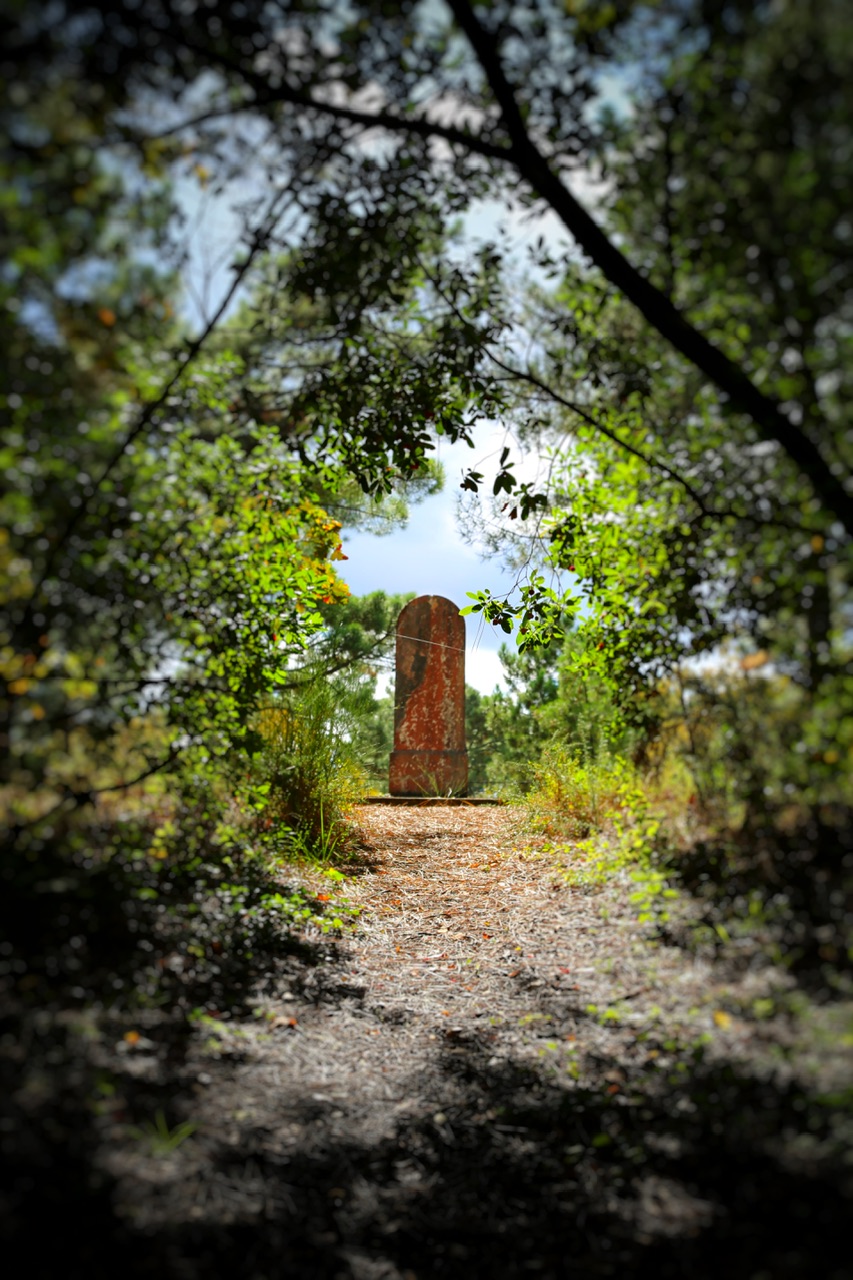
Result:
x=722 y=1019
x=106 y=317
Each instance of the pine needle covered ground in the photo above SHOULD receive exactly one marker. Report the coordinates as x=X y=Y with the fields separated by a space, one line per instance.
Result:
x=496 y=1074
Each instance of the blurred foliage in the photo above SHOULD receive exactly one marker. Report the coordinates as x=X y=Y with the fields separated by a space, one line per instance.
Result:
x=732 y=797
x=167 y=555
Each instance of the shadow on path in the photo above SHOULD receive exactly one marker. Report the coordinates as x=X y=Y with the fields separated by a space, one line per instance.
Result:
x=505 y=1174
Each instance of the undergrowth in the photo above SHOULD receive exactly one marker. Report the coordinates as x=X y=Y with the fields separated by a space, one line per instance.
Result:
x=776 y=885
x=596 y=820
x=309 y=773
x=576 y=792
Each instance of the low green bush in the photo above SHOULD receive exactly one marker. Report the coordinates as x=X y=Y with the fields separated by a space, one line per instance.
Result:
x=308 y=765
x=576 y=791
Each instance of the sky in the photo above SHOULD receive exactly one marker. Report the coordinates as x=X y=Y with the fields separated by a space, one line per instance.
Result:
x=430 y=557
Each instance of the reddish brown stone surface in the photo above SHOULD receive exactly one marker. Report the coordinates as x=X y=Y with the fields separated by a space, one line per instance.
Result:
x=429 y=756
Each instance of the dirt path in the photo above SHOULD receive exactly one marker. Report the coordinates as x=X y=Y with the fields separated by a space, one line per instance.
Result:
x=497 y=1076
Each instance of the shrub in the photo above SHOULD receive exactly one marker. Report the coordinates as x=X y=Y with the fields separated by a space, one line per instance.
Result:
x=756 y=743
x=576 y=792
x=308 y=765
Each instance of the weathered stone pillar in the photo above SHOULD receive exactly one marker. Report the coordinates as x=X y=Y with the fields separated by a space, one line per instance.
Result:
x=429 y=756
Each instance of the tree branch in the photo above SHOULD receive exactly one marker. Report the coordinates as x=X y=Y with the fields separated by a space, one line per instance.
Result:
x=650 y=301
x=654 y=464
x=529 y=162
x=78 y=798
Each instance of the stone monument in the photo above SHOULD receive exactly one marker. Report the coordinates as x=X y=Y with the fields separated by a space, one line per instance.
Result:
x=429 y=756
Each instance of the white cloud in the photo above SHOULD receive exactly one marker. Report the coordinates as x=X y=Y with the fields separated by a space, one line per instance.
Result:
x=483 y=670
